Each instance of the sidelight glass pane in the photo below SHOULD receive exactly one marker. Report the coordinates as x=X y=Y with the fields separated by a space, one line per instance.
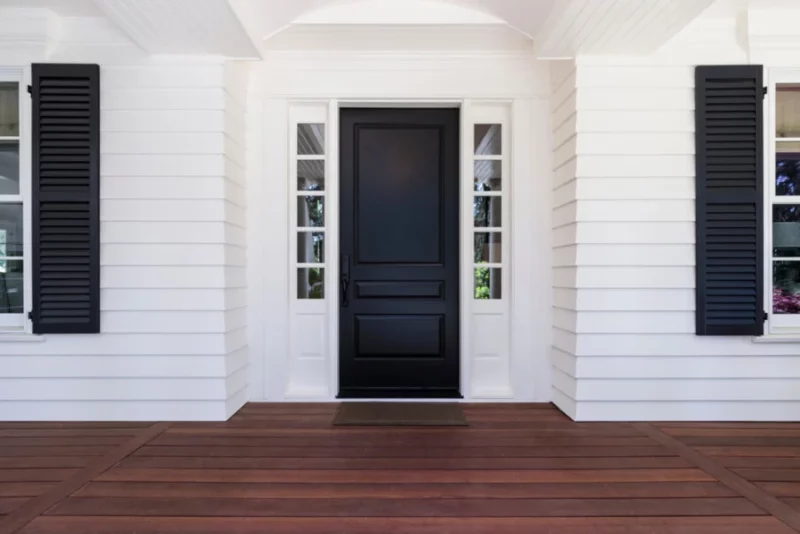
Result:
x=310 y=139
x=9 y=168
x=10 y=230
x=488 y=283
x=787 y=110
x=487 y=212
x=9 y=109
x=310 y=211
x=488 y=139
x=310 y=247
x=311 y=283
x=488 y=247
x=488 y=175
x=786 y=230
x=11 y=286
x=311 y=175
x=786 y=287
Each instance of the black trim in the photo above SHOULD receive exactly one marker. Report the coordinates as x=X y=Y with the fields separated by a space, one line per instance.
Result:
x=729 y=200
x=66 y=198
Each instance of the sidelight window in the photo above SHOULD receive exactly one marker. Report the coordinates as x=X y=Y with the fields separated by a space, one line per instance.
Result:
x=488 y=211
x=310 y=224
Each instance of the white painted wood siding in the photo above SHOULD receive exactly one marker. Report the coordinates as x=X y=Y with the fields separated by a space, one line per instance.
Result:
x=624 y=323
x=173 y=286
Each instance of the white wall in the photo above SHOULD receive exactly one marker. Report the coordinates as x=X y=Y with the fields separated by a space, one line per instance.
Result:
x=488 y=72
x=173 y=298
x=625 y=341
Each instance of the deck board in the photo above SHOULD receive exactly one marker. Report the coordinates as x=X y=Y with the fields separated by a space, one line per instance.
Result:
x=283 y=469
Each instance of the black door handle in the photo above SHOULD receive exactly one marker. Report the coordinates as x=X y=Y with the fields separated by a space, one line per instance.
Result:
x=345 y=279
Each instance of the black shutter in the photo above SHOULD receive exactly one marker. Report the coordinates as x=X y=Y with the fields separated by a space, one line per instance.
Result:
x=66 y=198
x=729 y=200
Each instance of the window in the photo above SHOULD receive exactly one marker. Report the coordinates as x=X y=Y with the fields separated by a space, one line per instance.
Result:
x=310 y=224
x=783 y=209
x=13 y=189
x=488 y=211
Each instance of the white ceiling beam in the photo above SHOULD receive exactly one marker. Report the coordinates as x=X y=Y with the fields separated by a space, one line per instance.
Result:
x=207 y=27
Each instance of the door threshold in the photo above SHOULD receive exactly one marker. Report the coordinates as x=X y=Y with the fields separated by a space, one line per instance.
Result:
x=395 y=394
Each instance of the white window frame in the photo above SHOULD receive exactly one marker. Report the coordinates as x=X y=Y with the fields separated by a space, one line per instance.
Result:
x=19 y=322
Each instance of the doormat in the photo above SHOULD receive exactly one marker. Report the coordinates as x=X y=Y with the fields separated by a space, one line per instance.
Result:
x=399 y=414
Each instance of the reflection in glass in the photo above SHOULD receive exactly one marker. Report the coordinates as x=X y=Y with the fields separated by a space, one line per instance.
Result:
x=488 y=283
x=488 y=247
x=787 y=110
x=310 y=139
x=311 y=283
x=9 y=110
x=786 y=230
x=488 y=175
x=311 y=175
x=310 y=211
x=487 y=212
x=786 y=287
x=488 y=139
x=310 y=247
x=11 y=286
x=10 y=230
x=787 y=175
x=9 y=168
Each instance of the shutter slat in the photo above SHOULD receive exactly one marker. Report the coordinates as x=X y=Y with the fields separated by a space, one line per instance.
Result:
x=729 y=204
x=66 y=173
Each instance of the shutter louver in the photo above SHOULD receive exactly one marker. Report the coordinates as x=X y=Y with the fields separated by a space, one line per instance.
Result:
x=729 y=200
x=65 y=198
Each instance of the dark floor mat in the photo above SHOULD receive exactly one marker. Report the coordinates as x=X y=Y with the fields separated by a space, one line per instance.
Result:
x=399 y=414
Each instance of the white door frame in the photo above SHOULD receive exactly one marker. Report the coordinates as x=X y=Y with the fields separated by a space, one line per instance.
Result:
x=527 y=249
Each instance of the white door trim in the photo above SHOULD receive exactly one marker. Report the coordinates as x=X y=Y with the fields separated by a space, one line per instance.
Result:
x=529 y=211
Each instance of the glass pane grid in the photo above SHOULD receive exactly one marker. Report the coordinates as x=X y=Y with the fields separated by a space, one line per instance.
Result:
x=310 y=193
x=310 y=157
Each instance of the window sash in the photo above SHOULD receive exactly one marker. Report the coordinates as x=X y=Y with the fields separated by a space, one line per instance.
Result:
x=19 y=322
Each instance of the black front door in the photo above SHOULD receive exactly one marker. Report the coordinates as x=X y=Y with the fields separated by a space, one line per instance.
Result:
x=398 y=324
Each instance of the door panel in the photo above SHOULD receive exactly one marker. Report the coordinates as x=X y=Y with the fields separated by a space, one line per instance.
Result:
x=399 y=245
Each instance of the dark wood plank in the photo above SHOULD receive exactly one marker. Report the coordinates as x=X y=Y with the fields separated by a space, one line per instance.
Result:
x=561 y=490
x=769 y=475
x=771 y=452
x=406 y=452
x=283 y=507
x=9 y=504
x=26 y=462
x=67 y=432
x=404 y=477
x=199 y=462
x=734 y=432
x=57 y=441
x=781 y=510
x=35 y=475
x=781 y=489
x=499 y=435
x=758 y=462
x=38 y=505
x=54 y=451
x=741 y=441
x=380 y=441
x=249 y=525
x=24 y=489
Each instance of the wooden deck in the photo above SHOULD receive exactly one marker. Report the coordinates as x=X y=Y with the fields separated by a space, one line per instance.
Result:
x=283 y=469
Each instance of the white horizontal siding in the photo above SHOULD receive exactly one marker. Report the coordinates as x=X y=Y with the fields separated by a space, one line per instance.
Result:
x=564 y=239
x=172 y=274
x=624 y=264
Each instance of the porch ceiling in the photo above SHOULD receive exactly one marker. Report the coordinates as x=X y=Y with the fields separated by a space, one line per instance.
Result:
x=238 y=28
